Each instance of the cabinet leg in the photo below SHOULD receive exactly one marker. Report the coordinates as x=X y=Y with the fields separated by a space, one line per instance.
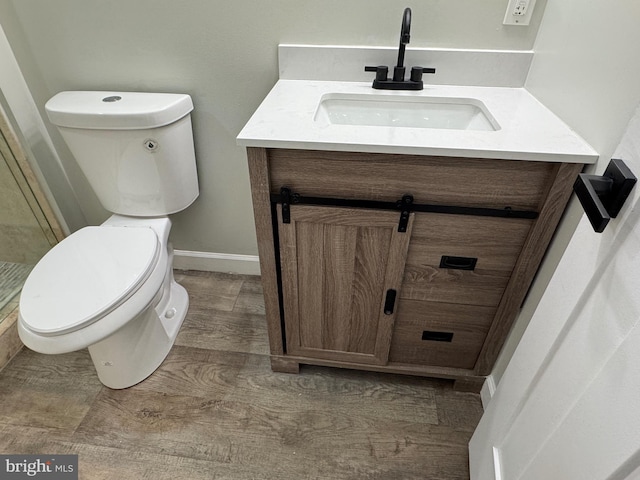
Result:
x=469 y=384
x=284 y=365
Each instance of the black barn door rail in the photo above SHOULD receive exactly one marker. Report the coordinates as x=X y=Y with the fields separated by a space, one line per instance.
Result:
x=404 y=205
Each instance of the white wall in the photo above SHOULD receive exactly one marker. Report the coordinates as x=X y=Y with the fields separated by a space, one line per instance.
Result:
x=16 y=103
x=586 y=66
x=586 y=69
x=223 y=53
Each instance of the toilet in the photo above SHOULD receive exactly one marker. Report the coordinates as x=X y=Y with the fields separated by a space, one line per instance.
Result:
x=110 y=288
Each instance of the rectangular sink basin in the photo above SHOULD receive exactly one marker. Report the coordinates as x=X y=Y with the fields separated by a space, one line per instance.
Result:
x=405 y=111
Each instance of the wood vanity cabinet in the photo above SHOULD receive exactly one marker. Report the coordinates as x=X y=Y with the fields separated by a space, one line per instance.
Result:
x=354 y=278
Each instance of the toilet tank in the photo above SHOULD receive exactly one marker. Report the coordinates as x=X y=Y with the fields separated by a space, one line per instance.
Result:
x=136 y=149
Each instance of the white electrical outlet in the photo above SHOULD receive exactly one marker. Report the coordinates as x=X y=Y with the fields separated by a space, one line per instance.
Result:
x=521 y=8
x=519 y=12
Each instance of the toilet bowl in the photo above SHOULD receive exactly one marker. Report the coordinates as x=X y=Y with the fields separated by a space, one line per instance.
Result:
x=110 y=288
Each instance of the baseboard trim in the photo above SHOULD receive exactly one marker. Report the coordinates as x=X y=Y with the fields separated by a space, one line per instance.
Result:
x=216 y=262
x=488 y=389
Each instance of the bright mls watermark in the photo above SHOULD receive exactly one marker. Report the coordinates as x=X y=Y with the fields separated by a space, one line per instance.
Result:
x=50 y=467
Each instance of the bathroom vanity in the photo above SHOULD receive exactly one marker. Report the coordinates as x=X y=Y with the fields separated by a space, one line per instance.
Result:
x=404 y=249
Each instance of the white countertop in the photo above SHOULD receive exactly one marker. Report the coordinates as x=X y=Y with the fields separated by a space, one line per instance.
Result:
x=528 y=130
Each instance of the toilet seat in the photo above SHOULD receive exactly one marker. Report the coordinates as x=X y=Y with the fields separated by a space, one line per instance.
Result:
x=87 y=276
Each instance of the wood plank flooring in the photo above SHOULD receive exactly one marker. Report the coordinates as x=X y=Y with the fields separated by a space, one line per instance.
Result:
x=214 y=409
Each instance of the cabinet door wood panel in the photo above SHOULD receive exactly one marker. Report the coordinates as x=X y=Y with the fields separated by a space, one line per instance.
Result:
x=495 y=242
x=337 y=265
x=431 y=180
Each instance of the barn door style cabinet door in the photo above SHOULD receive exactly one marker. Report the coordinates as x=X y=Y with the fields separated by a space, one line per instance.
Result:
x=399 y=263
x=341 y=271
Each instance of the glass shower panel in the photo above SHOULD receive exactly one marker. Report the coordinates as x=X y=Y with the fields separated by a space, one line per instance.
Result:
x=22 y=240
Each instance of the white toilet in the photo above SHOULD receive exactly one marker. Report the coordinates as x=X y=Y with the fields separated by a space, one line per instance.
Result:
x=111 y=288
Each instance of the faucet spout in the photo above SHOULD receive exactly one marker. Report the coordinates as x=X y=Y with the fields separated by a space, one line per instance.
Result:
x=405 y=36
x=397 y=81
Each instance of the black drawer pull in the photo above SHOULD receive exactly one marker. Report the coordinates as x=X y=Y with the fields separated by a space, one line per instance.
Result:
x=458 y=263
x=437 y=336
x=390 y=302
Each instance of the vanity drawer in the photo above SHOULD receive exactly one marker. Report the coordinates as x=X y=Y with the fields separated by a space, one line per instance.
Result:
x=480 y=255
x=439 y=334
x=472 y=182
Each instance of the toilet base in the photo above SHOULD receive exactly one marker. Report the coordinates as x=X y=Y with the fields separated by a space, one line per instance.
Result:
x=136 y=350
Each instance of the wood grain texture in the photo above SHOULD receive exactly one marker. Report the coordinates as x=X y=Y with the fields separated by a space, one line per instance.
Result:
x=48 y=392
x=528 y=263
x=284 y=364
x=219 y=293
x=337 y=265
x=107 y=463
x=251 y=297
x=10 y=343
x=218 y=302
x=340 y=389
x=469 y=325
x=495 y=242
x=246 y=434
x=212 y=412
x=438 y=180
x=451 y=373
x=259 y=178
x=509 y=251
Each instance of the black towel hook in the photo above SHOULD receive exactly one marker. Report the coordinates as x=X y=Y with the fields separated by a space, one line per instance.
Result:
x=602 y=197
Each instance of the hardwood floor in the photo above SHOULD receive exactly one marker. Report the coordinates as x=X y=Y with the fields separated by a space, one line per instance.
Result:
x=215 y=410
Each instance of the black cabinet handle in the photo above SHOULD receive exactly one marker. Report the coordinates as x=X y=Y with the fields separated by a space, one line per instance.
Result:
x=437 y=336
x=390 y=302
x=458 y=263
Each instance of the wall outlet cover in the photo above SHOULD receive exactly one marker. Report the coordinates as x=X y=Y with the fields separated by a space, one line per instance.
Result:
x=519 y=12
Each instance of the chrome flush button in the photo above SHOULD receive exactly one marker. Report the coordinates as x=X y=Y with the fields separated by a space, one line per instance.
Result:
x=113 y=98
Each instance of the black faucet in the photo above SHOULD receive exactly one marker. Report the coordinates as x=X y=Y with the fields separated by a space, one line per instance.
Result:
x=405 y=37
x=398 y=82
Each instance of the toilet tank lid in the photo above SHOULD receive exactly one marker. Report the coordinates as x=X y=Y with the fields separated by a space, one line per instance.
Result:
x=117 y=110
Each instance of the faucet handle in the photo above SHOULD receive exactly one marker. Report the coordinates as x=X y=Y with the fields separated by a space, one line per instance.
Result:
x=382 y=72
x=416 y=73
